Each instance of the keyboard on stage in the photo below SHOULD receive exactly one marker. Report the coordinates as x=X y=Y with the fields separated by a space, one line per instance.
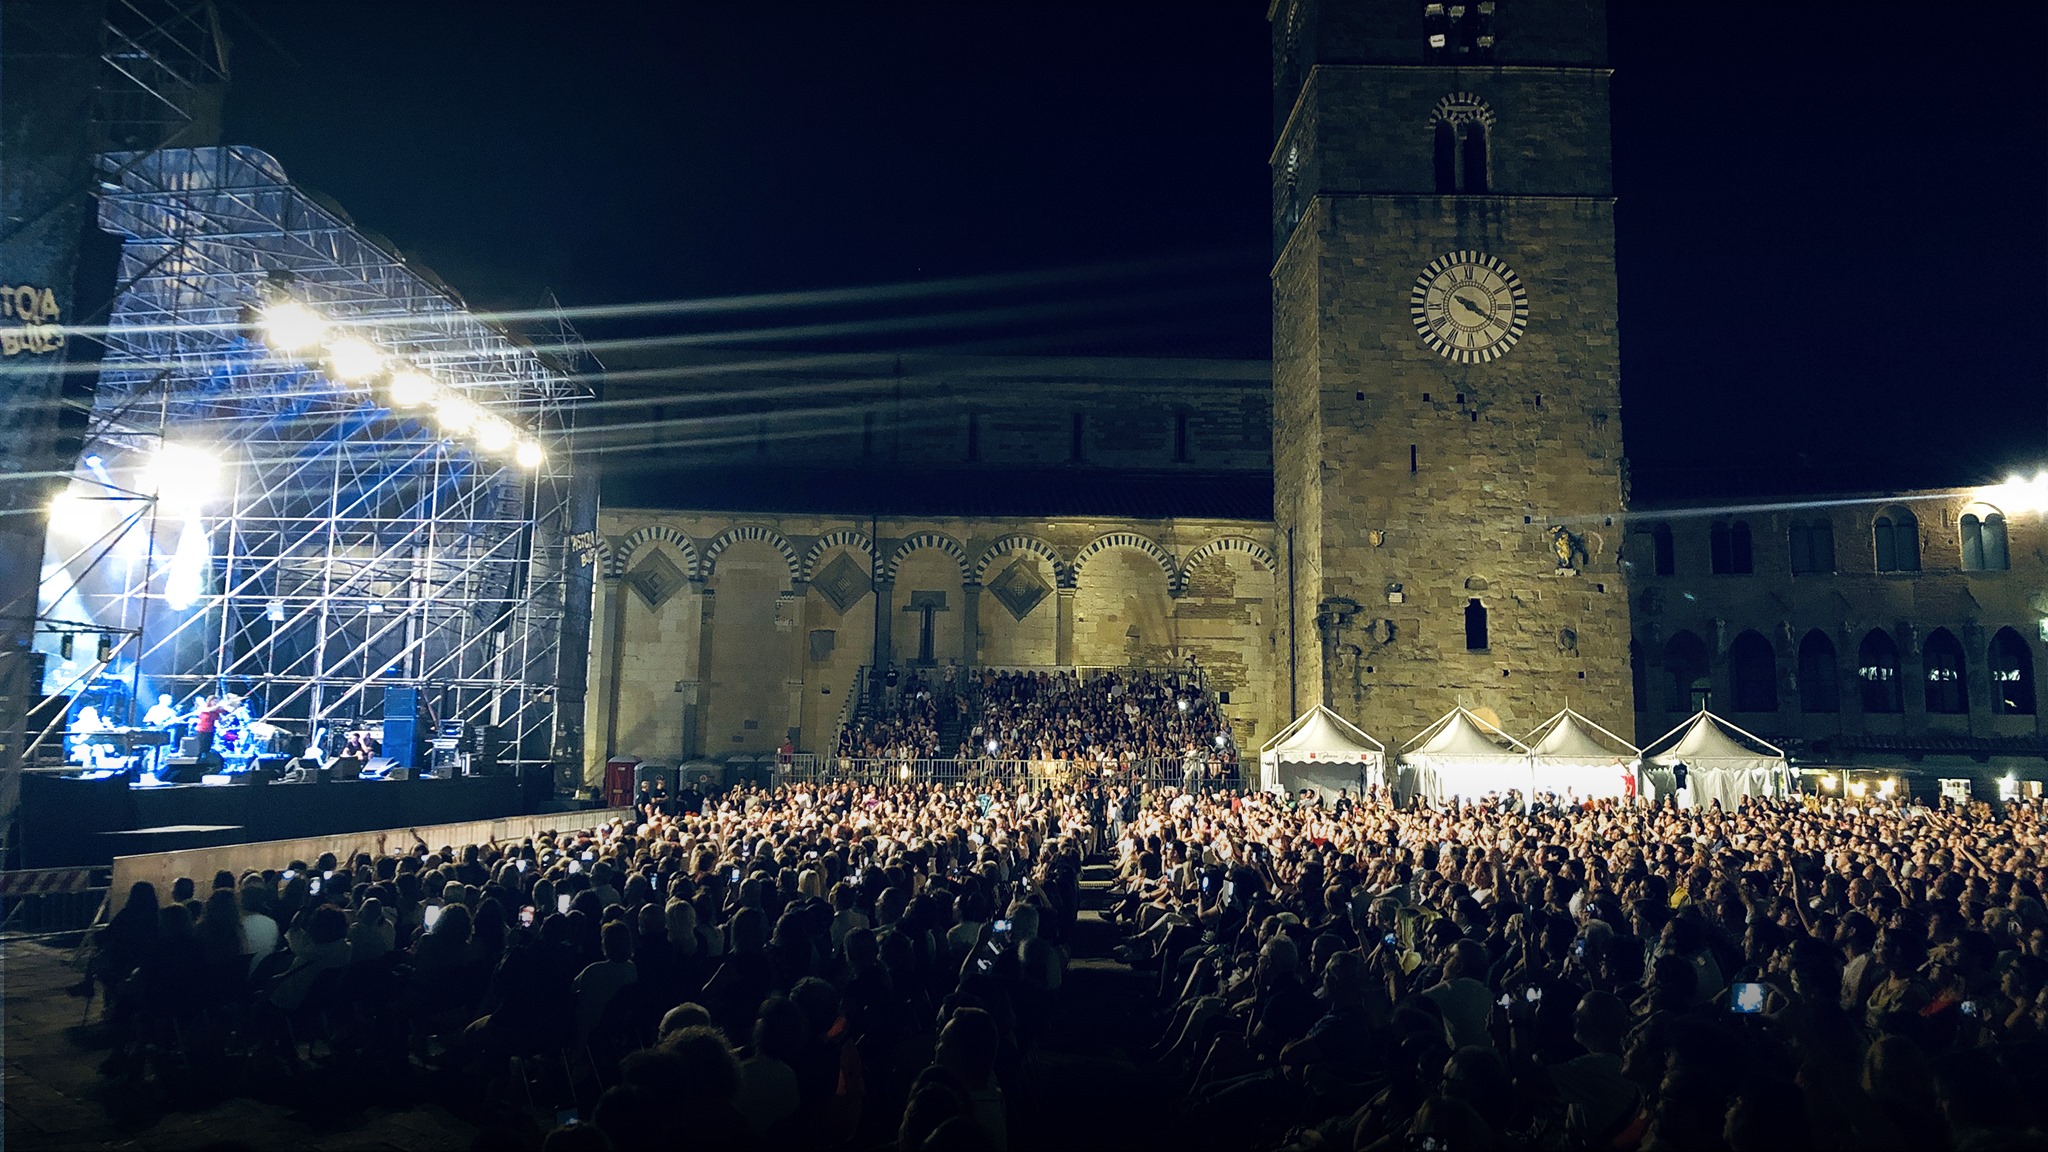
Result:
x=129 y=739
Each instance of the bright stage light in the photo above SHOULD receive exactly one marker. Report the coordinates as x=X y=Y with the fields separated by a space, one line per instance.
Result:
x=292 y=327
x=65 y=505
x=354 y=359
x=455 y=413
x=530 y=454
x=493 y=434
x=411 y=388
x=183 y=477
x=186 y=582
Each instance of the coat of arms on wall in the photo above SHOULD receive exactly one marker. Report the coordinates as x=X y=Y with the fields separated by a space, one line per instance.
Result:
x=1568 y=548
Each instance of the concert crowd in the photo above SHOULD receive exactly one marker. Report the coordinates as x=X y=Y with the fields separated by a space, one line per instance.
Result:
x=1105 y=720
x=870 y=967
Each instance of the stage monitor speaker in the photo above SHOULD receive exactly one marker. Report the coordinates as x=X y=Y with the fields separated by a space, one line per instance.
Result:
x=182 y=770
x=401 y=724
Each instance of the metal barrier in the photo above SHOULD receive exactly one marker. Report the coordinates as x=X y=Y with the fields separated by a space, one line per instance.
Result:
x=39 y=900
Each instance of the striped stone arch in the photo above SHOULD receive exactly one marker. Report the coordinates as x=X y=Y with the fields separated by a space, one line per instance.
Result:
x=1019 y=543
x=842 y=538
x=942 y=542
x=1245 y=544
x=622 y=556
x=1145 y=544
x=605 y=553
x=740 y=532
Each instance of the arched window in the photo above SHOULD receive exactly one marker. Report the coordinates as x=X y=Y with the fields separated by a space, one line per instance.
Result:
x=1897 y=538
x=1819 y=690
x=1475 y=626
x=1475 y=159
x=2012 y=675
x=1650 y=549
x=1813 y=546
x=1753 y=668
x=1730 y=549
x=1446 y=158
x=1685 y=659
x=1942 y=660
x=1877 y=667
x=1983 y=531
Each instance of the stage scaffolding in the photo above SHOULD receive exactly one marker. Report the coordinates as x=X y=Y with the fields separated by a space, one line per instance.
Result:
x=353 y=549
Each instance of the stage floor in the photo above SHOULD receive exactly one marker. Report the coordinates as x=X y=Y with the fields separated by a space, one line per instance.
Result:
x=64 y=821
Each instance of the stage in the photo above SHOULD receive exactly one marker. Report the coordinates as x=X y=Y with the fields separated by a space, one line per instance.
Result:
x=67 y=822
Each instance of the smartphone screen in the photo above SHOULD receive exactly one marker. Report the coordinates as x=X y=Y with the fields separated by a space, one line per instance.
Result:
x=327 y=875
x=526 y=916
x=575 y=865
x=522 y=862
x=289 y=873
x=1746 y=999
x=1000 y=928
x=589 y=856
x=314 y=886
x=562 y=903
x=430 y=915
x=1230 y=889
x=733 y=877
x=1532 y=994
x=1390 y=940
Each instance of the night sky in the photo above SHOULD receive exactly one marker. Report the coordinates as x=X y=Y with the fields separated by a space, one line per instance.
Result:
x=1833 y=221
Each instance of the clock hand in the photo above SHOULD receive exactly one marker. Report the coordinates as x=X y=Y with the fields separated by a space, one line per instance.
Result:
x=1469 y=306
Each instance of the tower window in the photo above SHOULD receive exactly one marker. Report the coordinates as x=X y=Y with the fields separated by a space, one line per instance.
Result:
x=1474 y=158
x=1180 y=436
x=1475 y=626
x=1942 y=658
x=2012 y=675
x=1446 y=154
x=1411 y=459
x=974 y=435
x=867 y=434
x=1753 y=673
x=1077 y=443
x=1983 y=531
x=1896 y=540
x=1813 y=546
x=1819 y=689
x=1877 y=666
x=1730 y=549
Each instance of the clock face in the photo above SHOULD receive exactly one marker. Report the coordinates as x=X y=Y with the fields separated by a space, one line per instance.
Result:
x=1469 y=307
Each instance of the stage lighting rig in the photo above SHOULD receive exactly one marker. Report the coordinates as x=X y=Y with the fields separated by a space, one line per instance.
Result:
x=354 y=360
x=291 y=327
x=411 y=388
x=530 y=454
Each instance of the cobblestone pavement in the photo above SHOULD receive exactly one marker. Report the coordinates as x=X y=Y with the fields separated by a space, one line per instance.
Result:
x=55 y=1097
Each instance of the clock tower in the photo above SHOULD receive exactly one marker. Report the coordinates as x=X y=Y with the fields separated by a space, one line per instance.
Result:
x=1448 y=471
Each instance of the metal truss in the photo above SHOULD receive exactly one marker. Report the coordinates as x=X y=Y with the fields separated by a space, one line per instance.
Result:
x=354 y=548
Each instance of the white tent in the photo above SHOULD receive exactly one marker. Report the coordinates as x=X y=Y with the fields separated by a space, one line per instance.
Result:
x=1722 y=762
x=1571 y=755
x=1323 y=751
x=1461 y=755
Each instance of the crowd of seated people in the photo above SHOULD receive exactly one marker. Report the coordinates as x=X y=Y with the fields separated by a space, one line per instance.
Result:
x=808 y=966
x=904 y=723
x=1115 y=718
x=1793 y=974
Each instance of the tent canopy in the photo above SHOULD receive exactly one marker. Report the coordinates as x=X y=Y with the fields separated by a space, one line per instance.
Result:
x=1572 y=738
x=1463 y=755
x=1721 y=761
x=1320 y=735
x=1706 y=737
x=1459 y=733
x=1571 y=755
x=1324 y=753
